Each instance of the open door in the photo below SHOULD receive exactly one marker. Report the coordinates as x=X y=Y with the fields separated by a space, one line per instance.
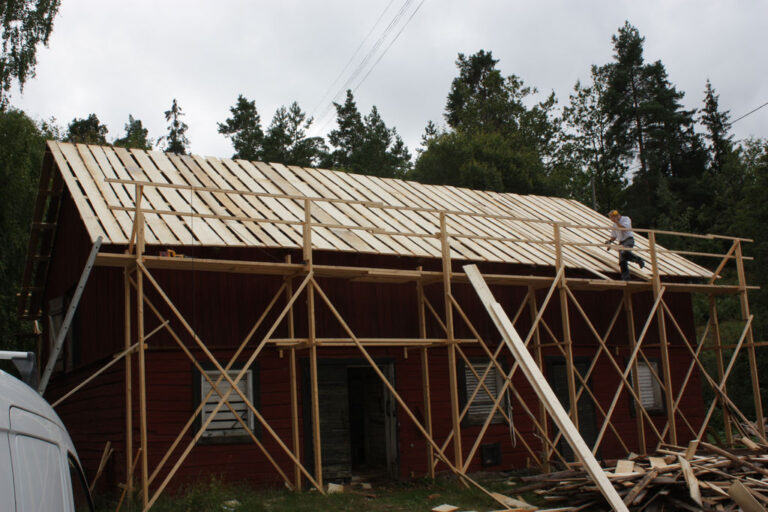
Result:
x=358 y=424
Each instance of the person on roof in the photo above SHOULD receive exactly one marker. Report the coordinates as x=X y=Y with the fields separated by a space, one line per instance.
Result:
x=624 y=236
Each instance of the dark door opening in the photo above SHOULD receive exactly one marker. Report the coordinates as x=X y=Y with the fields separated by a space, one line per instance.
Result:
x=558 y=379
x=358 y=427
x=367 y=414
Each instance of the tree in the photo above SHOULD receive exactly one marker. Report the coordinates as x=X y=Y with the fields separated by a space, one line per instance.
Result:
x=493 y=140
x=135 y=135
x=599 y=172
x=176 y=141
x=22 y=146
x=244 y=129
x=365 y=145
x=648 y=125
x=286 y=140
x=25 y=24
x=88 y=130
x=717 y=126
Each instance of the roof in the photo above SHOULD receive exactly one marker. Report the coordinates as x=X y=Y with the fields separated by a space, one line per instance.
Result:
x=363 y=214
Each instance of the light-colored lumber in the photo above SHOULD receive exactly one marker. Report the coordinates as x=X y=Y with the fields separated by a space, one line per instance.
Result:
x=743 y=496
x=542 y=388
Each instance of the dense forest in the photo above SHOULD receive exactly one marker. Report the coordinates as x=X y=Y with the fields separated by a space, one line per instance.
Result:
x=621 y=140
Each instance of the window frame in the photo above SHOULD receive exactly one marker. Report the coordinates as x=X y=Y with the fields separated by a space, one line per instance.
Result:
x=659 y=409
x=240 y=436
x=477 y=418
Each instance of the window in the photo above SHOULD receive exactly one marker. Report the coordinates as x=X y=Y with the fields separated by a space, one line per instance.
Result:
x=69 y=356
x=650 y=391
x=81 y=495
x=483 y=402
x=225 y=425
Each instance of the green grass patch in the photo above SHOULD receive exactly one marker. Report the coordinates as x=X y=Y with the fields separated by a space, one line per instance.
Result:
x=418 y=495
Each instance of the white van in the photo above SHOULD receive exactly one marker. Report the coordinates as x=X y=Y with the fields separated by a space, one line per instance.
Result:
x=39 y=468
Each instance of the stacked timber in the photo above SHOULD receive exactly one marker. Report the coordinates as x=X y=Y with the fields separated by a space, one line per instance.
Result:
x=702 y=477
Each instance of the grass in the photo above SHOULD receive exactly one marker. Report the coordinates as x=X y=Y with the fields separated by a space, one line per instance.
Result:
x=419 y=495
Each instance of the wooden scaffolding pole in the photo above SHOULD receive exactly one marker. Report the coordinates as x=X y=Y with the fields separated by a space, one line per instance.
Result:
x=140 y=240
x=715 y=322
x=293 y=376
x=312 y=340
x=452 y=377
x=744 y=300
x=425 y=378
x=663 y=342
x=570 y=368
x=632 y=334
x=538 y=357
x=128 y=386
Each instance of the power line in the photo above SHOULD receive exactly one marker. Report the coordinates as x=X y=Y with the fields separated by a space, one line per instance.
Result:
x=750 y=112
x=390 y=44
x=351 y=58
x=324 y=119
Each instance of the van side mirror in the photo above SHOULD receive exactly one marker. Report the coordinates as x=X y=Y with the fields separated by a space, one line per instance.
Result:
x=25 y=363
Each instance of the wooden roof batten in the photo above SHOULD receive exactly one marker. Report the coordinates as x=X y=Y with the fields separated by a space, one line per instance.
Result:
x=205 y=201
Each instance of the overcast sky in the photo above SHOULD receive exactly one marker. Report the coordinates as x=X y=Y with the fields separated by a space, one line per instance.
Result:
x=119 y=58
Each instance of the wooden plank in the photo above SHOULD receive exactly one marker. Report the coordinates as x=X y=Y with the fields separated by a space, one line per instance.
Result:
x=744 y=498
x=178 y=231
x=323 y=238
x=624 y=467
x=342 y=212
x=97 y=164
x=255 y=207
x=202 y=232
x=89 y=216
x=156 y=225
x=542 y=388
x=690 y=480
x=231 y=232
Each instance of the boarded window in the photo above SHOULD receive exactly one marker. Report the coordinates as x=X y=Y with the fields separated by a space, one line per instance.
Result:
x=483 y=402
x=650 y=391
x=225 y=424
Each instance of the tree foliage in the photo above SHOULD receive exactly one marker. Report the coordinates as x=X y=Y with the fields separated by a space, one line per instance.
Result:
x=493 y=139
x=22 y=145
x=136 y=136
x=176 y=141
x=286 y=139
x=365 y=145
x=87 y=130
x=243 y=128
x=25 y=25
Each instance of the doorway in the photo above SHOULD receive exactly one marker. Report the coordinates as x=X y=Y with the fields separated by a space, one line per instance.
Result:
x=358 y=428
x=558 y=379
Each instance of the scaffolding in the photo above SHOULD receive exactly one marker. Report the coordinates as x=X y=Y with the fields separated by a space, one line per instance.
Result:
x=300 y=279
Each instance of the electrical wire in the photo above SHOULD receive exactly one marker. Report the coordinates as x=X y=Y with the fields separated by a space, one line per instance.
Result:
x=749 y=113
x=351 y=58
x=324 y=118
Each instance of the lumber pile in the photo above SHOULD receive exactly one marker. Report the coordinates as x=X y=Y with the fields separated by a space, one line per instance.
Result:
x=702 y=477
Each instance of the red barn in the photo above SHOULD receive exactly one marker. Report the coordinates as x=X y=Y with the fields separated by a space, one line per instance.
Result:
x=332 y=312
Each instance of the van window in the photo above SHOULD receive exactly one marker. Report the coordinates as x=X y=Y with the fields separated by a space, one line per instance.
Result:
x=37 y=475
x=80 y=493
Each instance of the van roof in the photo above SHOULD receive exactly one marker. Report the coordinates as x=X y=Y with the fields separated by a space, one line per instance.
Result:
x=15 y=393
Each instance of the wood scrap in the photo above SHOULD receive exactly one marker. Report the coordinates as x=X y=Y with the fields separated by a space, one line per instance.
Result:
x=708 y=478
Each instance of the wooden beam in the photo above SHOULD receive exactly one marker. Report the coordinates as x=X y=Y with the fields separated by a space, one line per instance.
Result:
x=753 y=370
x=425 y=378
x=128 y=384
x=662 y=328
x=632 y=336
x=542 y=388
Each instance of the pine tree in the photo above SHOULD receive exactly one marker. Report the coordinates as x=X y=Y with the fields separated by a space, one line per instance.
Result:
x=494 y=140
x=286 y=140
x=365 y=145
x=599 y=173
x=176 y=141
x=135 y=135
x=244 y=129
x=88 y=130
x=717 y=126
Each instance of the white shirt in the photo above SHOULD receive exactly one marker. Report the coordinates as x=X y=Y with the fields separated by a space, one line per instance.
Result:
x=619 y=235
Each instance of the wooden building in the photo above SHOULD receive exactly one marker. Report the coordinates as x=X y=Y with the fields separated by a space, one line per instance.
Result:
x=332 y=313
